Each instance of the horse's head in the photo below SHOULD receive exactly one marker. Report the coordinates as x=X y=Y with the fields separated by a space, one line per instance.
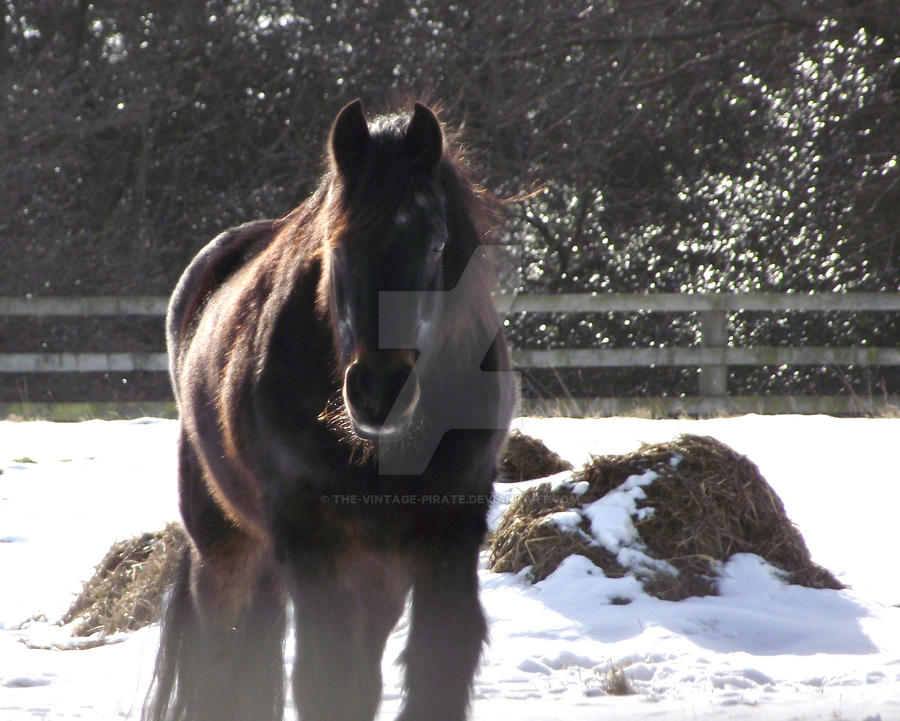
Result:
x=388 y=231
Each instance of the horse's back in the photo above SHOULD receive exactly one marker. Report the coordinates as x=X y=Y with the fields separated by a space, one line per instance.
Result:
x=215 y=262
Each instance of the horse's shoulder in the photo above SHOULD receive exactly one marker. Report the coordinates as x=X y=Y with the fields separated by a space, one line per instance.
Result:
x=211 y=266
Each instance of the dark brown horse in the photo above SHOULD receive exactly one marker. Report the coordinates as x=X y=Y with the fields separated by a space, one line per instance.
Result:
x=344 y=393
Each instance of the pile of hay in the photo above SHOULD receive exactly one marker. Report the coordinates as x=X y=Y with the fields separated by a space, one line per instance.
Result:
x=525 y=458
x=706 y=503
x=126 y=591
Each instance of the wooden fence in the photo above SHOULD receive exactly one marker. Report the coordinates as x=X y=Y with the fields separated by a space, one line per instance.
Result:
x=712 y=356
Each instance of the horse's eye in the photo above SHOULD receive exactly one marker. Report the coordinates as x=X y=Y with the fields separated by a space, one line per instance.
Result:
x=437 y=246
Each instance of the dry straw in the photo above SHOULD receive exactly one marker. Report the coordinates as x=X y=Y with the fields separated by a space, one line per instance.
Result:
x=708 y=506
x=126 y=591
x=525 y=458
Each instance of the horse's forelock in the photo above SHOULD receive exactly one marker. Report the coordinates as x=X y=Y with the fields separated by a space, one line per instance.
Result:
x=356 y=209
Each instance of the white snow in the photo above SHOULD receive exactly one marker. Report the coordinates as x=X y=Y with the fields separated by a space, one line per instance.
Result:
x=611 y=516
x=760 y=650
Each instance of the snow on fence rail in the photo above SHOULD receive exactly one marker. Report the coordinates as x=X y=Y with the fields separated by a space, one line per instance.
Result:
x=712 y=356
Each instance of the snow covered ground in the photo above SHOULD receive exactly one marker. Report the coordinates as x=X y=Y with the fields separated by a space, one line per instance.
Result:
x=760 y=650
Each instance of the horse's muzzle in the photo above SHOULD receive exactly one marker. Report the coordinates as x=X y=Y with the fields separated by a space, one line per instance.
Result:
x=381 y=396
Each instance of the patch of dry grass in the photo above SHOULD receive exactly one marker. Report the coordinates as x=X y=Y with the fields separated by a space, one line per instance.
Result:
x=614 y=682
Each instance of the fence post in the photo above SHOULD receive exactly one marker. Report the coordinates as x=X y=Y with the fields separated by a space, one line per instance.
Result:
x=714 y=334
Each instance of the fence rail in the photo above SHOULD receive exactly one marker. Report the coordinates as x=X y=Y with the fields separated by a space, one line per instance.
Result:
x=519 y=303
x=712 y=356
x=88 y=305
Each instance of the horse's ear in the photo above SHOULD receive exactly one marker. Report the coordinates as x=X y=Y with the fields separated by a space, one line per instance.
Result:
x=349 y=137
x=424 y=138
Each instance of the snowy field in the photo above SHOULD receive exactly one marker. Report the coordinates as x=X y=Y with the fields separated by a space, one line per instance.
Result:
x=760 y=650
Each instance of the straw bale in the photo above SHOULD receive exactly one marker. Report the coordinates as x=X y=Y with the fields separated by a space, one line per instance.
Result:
x=524 y=538
x=708 y=502
x=714 y=504
x=127 y=588
x=525 y=458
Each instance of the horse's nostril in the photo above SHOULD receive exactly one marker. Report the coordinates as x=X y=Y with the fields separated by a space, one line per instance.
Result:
x=380 y=399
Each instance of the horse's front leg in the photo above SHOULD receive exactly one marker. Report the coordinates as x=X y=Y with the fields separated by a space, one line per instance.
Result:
x=447 y=632
x=221 y=649
x=345 y=610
